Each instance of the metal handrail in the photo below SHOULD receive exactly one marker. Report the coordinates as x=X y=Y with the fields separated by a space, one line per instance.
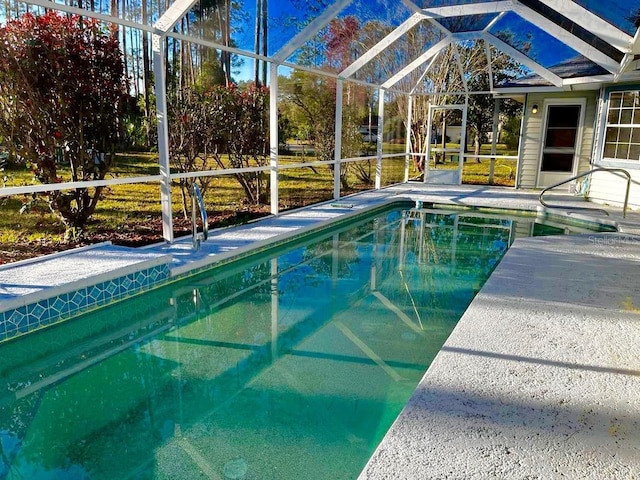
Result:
x=197 y=202
x=576 y=177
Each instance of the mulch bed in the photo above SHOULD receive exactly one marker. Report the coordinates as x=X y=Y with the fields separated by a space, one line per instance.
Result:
x=130 y=235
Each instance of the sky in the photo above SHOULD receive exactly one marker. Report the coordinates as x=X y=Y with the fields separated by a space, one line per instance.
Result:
x=286 y=15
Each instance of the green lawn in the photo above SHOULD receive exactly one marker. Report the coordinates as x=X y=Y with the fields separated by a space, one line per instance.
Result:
x=130 y=214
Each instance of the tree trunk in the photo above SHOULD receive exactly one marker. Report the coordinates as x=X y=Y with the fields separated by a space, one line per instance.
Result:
x=184 y=187
x=222 y=21
x=181 y=82
x=146 y=65
x=265 y=51
x=256 y=43
x=124 y=50
x=135 y=61
x=189 y=53
x=227 y=42
x=246 y=187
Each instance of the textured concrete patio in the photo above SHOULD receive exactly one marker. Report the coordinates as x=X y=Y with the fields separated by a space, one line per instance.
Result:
x=40 y=278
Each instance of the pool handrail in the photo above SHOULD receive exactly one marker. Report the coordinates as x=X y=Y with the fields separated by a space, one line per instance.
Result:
x=576 y=177
x=198 y=203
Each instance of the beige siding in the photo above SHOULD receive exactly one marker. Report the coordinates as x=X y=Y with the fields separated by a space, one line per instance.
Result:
x=532 y=134
x=609 y=189
x=530 y=147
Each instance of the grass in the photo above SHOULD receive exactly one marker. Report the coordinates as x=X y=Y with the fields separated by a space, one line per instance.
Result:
x=130 y=214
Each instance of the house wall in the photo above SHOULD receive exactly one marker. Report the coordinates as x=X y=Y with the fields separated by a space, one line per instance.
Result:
x=607 y=188
x=610 y=189
x=532 y=135
x=454 y=132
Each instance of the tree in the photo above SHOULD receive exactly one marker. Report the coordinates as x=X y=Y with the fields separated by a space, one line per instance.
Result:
x=247 y=136
x=191 y=141
x=314 y=99
x=511 y=131
x=443 y=78
x=62 y=91
x=480 y=111
x=310 y=100
x=214 y=20
x=224 y=127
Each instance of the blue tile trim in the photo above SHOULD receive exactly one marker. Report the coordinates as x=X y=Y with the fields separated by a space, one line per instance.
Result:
x=95 y=296
x=61 y=307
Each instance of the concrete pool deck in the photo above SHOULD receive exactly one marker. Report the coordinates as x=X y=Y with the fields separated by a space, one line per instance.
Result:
x=541 y=376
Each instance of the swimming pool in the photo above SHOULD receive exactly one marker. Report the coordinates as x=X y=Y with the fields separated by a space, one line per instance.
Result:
x=288 y=365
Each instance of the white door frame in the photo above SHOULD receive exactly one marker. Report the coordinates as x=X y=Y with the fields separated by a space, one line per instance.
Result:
x=448 y=177
x=582 y=102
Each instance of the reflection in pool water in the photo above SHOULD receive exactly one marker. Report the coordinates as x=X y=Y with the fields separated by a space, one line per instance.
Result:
x=281 y=367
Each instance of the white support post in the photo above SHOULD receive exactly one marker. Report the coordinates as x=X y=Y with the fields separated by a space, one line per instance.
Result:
x=407 y=158
x=463 y=138
x=273 y=136
x=427 y=157
x=381 y=93
x=337 y=153
x=171 y=16
x=163 y=136
x=494 y=139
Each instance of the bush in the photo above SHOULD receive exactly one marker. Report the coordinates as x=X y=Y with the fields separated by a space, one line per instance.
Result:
x=62 y=90
x=511 y=132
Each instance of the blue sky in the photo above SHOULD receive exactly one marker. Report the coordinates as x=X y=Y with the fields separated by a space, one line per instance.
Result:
x=286 y=17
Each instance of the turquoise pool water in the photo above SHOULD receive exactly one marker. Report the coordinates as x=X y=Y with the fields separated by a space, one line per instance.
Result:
x=291 y=365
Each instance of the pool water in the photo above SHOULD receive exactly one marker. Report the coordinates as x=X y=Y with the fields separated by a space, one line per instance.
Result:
x=289 y=365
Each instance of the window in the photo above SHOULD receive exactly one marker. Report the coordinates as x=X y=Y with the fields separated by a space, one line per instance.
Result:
x=622 y=130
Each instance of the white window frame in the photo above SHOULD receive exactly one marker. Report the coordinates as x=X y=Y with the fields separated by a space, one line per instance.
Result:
x=600 y=159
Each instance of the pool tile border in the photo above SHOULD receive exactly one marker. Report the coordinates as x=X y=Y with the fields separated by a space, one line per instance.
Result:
x=98 y=291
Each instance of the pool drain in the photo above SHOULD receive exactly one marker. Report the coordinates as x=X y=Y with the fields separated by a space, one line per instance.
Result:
x=235 y=469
